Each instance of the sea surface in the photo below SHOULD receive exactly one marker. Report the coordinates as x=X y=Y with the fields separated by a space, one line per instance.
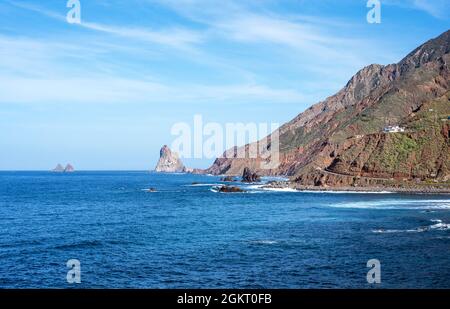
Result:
x=188 y=235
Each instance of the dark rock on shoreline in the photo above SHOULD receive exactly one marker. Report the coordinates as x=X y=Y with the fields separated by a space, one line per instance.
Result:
x=229 y=189
x=278 y=184
x=248 y=176
x=227 y=179
x=371 y=188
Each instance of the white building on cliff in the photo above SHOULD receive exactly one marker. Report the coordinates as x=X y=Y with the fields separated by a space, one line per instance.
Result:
x=393 y=129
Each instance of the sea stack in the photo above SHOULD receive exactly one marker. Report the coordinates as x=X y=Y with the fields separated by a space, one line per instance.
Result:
x=248 y=176
x=69 y=169
x=169 y=162
x=58 y=169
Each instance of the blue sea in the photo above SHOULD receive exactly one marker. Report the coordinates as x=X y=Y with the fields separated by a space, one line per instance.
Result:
x=190 y=236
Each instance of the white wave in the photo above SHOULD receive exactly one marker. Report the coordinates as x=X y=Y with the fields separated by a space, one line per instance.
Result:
x=439 y=225
x=396 y=204
x=346 y=192
x=264 y=242
x=281 y=190
x=202 y=185
x=216 y=190
x=274 y=178
x=254 y=187
x=263 y=187
x=417 y=230
x=436 y=220
x=149 y=190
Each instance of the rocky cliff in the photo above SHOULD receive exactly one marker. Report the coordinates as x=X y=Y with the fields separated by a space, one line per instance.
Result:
x=342 y=141
x=169 y=162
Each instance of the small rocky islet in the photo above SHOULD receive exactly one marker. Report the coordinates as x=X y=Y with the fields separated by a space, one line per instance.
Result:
x=230 y=189
x=60 y=169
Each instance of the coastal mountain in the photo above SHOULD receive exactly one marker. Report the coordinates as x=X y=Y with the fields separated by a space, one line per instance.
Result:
x=389 y=124
x=169 y=162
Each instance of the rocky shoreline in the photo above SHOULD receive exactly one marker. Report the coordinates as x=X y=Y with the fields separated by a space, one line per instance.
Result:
x=410 y=190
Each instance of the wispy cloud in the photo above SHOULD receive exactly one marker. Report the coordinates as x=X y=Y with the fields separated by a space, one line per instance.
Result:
x=40 y=68
x=173 y=37
x=116 y=90
x=305 y=38
x=235 y=22
x=437 y=8
x=315 y=45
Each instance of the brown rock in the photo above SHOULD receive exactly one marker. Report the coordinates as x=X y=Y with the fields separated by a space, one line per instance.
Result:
x=169 y=162
x=340 y=141
x=69 y=169
x=228 y=189
x=248 y=176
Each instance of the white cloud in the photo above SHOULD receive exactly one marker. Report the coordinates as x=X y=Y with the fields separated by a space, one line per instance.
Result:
x=299 y=37
x=437 y=8
x=42 y=71
x=127 y=91
x=314 y=41
x=173 y=37
x=41 y=66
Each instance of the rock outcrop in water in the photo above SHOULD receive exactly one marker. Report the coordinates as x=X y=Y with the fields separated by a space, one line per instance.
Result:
x=169 y=162
x=69 y=168
x=248 y=176
x=230 y=189
x=342 y=141
x=60 y=169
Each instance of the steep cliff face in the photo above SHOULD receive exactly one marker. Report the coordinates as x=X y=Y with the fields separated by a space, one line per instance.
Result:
x=340 y=141
x=169 y=162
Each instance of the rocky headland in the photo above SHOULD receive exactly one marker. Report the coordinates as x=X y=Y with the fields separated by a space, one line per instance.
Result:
x=387 y=129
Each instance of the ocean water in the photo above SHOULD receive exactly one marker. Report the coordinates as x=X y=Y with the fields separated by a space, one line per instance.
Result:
x=189 y=236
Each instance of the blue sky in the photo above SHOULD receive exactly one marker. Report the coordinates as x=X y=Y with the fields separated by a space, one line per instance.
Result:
x=104 y=94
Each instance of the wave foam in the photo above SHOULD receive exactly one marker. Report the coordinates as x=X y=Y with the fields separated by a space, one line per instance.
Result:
x=254 y=187
x=264 y=242
x=203 y=185
x=281 y=190
x=346 y=192
x=439 y=226
x=396 y=204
